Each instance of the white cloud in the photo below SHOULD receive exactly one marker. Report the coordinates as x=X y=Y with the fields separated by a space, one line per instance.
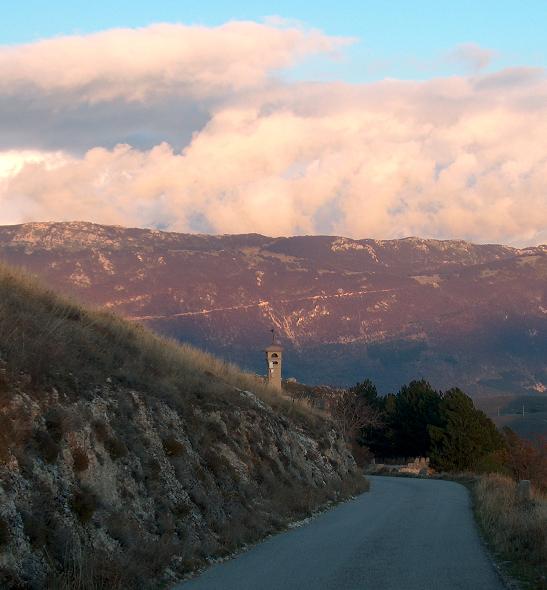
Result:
x=458 y=157
x=162 y=59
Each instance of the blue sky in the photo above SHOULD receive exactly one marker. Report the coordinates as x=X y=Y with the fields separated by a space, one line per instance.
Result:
x=397 y=38
x=439 y=130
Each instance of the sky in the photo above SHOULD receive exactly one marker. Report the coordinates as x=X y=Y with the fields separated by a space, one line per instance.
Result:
x=363 y=119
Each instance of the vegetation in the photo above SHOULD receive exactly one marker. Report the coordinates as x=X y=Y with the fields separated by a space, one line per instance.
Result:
x=464 y=435
x=58 y=343
x=447 y=428
x=516 y=528
x=418 y=421
x=125 y=455
x=4 y=533
x=84 y=504
x=525 y=459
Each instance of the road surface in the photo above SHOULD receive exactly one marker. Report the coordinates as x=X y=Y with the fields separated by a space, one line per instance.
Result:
x=405 y=534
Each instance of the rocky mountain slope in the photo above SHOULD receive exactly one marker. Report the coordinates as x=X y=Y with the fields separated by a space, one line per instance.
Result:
x=126 y=460
x=450 y=311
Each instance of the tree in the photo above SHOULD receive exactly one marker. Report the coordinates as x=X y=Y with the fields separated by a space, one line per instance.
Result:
x=464 y=435
x=526 y=459
x=416 y=407
x=367 y=390
x=376 y=435
x=352 y=413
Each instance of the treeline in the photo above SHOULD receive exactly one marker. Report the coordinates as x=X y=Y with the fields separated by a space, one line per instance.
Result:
x=419 y=421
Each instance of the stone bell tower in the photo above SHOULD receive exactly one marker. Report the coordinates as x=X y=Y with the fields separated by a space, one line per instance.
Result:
x=274 y=358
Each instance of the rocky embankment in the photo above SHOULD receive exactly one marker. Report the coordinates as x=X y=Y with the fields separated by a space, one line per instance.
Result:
x=110 y=482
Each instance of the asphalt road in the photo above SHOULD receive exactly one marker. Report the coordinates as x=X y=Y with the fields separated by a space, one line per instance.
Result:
x=408 y=534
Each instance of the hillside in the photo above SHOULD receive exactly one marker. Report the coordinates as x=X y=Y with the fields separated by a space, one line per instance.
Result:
x=127 y=460
x=393 y=310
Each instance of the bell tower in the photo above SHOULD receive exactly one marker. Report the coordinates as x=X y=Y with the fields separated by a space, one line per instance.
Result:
x=274 y=359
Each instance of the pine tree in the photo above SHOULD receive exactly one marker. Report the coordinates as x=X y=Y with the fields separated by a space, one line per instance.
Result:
x=416 y=408
x=464 y=436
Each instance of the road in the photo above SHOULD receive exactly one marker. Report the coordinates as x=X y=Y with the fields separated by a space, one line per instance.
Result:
x=405 y=534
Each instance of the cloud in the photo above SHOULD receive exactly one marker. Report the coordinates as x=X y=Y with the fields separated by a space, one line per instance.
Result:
x=442 y=158
x=162 y=59
x=140 y=86
x=471 y=57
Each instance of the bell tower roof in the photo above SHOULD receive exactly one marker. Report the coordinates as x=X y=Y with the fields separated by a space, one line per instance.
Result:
x=274 y=348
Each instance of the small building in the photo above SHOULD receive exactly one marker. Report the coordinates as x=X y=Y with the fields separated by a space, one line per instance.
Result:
x=274 y=358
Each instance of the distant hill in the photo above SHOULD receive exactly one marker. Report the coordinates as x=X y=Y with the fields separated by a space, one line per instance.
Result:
x=126 y=460
x=392 y=310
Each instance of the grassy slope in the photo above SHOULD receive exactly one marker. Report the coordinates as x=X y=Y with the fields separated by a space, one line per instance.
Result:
x=167 y=413
x=58 y=343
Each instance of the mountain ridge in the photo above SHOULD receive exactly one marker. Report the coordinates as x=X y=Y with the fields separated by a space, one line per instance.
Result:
x=449 y=310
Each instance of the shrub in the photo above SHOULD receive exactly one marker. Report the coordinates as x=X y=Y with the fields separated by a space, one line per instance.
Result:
x=4 y=533
x=10 y=579
x=15 y=431
x=84 y=504
x=47 y=447
x=526 y=459
x=80 y=459
x=101 y=430
x=152 y=469
x=116 y=448
x=172 y=447
x=56 y=423
x=182 y=510
x=217 y=463
x=122 y=528
x=39 y=521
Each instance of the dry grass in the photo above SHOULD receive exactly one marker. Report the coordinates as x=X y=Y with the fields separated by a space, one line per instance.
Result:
x=69 y=353
x=516 y=529
x=60 y=344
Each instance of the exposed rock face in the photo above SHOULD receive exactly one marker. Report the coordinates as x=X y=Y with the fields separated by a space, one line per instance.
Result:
x=453 y=312
x=143 y=490
x=126 y=460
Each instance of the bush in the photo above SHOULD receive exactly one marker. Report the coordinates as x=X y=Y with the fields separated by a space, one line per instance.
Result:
x=116 y=448
x=172 y=447
x=56 y=424
x=526 y=459
x=4 y=533
x=100 y=429
x=15 y=432
x=84 y=504
x=80 y=459
x=47 y=447
x=39 y=521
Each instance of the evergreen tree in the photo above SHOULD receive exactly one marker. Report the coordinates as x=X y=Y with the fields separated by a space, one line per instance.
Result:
x=416 y=409
x=464 y=436
x=367 y=391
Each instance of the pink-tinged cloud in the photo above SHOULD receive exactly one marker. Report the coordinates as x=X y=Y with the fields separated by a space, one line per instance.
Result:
x=138 y=64
x=458 y=157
